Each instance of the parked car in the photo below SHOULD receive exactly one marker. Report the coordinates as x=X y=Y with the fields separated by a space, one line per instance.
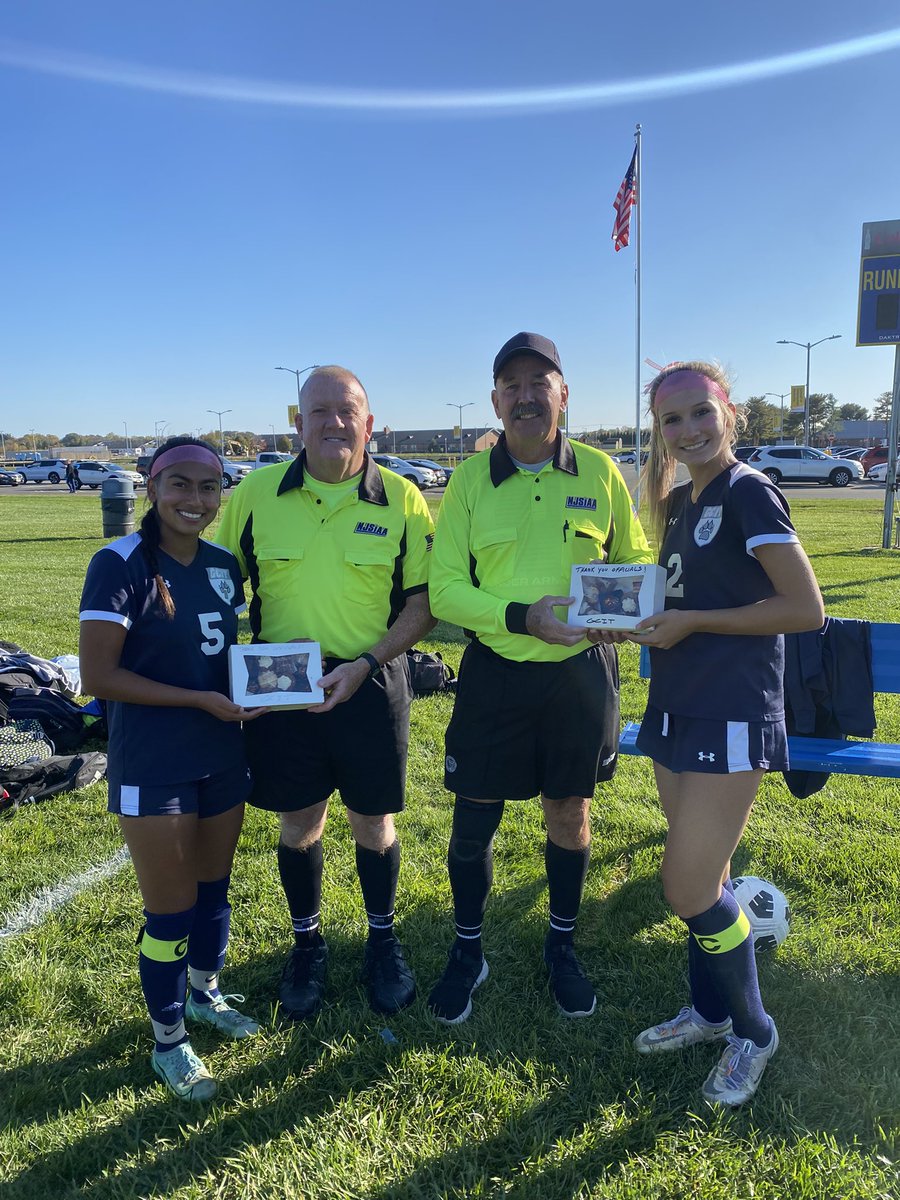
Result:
x=743 y=453
x=626 y=456
x=442 y=474
x=43 y=470
x=878 y=473
x=233 y=472
x=804 y=464
x=420 y=476
x=872 y=457
x=9 y=479
x=268 y=458
x=93 y=473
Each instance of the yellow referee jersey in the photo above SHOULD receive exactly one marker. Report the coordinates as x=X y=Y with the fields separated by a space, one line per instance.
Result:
x=339 y=574
x=506 y=537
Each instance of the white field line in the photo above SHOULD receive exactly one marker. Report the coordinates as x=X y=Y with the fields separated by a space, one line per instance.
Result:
x=36 y=910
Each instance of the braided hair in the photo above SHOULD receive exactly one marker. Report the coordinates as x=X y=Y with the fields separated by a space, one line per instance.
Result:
x=150 y=530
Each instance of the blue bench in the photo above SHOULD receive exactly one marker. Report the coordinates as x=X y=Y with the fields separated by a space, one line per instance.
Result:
x=837 y=757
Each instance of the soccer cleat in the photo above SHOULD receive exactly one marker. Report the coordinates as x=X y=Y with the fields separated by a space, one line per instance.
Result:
x=570 y=987
x=683 y=1030
x=736 y=1075
x=303 y=981
x=389 y=981
x=222 y=1016
x=183 y=1073
x=451 y=997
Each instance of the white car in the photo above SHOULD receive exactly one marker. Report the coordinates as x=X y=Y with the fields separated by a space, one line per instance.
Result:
x=233 y=472
x=439 y=472
x=93 y=473
x=420 y=476
x=42 y=470
x=804 y=464
x=878 y=473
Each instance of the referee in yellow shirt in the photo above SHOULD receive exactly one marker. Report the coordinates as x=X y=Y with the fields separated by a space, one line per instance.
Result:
x=537 y=706
x=337 y=551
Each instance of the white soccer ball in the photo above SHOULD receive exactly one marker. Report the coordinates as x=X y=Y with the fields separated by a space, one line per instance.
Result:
x=767 y=910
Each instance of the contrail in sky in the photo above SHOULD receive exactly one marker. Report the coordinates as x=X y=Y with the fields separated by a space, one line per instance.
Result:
x=499 y=102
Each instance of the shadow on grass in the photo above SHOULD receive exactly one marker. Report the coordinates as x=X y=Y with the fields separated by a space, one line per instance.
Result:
x=592 y=1090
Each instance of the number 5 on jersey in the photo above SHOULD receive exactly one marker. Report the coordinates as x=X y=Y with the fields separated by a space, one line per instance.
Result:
x=214 y=638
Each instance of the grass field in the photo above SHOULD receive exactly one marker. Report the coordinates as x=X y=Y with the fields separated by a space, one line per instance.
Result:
x=517 y=1102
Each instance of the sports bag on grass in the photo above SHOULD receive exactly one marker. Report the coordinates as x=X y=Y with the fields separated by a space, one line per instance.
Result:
x=429 y=673
x=67 y=724
x=35 y=781
x=22 y=742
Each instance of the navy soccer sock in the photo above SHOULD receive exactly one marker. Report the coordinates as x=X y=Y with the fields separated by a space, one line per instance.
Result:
x=566 y=873
x=301 y=879
x=378 y=875
x=723 y=935
x=704 y=993
x=470 y=862
x=209 y=939
x=162 y=965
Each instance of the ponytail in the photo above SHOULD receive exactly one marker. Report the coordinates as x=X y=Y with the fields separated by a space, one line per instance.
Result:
x=149 y=531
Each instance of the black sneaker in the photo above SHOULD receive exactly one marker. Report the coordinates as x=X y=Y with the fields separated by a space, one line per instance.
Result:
x=451 y=997
x=389 y=981
x=303 y=981
x=571 y=988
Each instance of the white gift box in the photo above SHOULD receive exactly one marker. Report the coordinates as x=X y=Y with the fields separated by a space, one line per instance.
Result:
x=280 y=675
x=615 y=595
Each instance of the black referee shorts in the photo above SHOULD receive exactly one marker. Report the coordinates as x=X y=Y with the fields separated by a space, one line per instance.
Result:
x=521 y=729
x=359 y=749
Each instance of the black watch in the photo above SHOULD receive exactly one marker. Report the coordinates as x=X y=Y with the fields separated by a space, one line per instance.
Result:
x=374 y=664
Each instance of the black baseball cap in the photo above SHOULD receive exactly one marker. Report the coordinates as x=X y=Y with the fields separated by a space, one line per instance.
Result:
x=527 y=343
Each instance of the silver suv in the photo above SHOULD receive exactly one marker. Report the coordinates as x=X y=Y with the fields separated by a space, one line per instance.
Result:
x=420 y=476
x=42 y=470
x=94 y=473
x=804 y=464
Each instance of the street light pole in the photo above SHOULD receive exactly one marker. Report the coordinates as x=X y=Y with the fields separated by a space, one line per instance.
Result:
x=460 y=407
x=807 y=346
x=297 y=373
x=33 y=443
x=220 y=412
x=781 y=396
x=274 y=443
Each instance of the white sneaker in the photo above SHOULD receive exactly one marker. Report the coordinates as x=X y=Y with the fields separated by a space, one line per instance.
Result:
x=222 y=1016
x=686 y=1029
x=736 y=1076
x=183 y=1073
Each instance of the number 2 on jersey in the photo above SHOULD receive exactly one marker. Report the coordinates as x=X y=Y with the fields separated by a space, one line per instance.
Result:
x=674 y=586
x=215 y=638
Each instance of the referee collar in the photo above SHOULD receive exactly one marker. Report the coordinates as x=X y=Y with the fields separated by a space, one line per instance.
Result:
x=371 y=485
x=502 y=466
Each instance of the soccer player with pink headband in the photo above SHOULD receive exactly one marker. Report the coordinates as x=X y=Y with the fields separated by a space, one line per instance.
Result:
x=737 y=579
x=158 y=612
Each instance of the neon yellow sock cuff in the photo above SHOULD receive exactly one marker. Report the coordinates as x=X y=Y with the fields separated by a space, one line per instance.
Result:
x=726 y=939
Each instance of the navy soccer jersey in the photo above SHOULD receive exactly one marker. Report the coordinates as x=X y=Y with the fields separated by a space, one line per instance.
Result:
x=708 y=554
x=151 y=744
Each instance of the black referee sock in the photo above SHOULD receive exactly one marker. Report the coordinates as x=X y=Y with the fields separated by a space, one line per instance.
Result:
x=470 y=862
x=301 y=878
x=378 y=874
x=566 y=873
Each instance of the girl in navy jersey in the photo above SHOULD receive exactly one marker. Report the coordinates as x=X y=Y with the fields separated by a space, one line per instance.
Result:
x=158 y=613
x=736 y=580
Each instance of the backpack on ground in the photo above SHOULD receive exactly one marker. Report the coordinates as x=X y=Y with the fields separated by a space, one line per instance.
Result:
x=22 y=742
x=65 y=723
x=35 y=781
x=429 y=673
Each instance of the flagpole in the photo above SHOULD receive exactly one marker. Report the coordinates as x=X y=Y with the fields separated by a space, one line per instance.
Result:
x=639 y=184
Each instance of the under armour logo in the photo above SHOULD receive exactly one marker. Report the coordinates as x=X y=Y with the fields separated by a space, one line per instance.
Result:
x=706 y=757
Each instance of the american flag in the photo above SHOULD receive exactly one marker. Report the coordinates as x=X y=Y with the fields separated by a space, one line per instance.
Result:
x=624 y=203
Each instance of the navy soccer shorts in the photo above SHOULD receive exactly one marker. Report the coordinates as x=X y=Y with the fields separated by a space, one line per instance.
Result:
x=712 y=747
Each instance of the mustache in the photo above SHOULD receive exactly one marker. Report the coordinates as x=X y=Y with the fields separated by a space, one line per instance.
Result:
x=528 y=408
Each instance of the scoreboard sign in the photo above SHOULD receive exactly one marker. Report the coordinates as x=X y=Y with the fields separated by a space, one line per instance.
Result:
x=878 y=321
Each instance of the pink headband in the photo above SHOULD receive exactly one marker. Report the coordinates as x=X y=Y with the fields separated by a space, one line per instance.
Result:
x=178 y=454
x=682 y=380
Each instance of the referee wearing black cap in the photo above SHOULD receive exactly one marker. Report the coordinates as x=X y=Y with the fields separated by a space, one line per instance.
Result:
x=537 y=707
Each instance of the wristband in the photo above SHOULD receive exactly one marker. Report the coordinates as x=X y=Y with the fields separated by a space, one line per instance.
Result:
x=374 y=664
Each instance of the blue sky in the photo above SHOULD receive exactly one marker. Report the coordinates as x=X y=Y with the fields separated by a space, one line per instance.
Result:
x=196 y=194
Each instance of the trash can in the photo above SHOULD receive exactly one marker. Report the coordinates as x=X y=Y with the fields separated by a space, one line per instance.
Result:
x=117 y=506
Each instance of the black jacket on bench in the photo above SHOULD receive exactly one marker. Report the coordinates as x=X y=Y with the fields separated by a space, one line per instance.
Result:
x=828 y=689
